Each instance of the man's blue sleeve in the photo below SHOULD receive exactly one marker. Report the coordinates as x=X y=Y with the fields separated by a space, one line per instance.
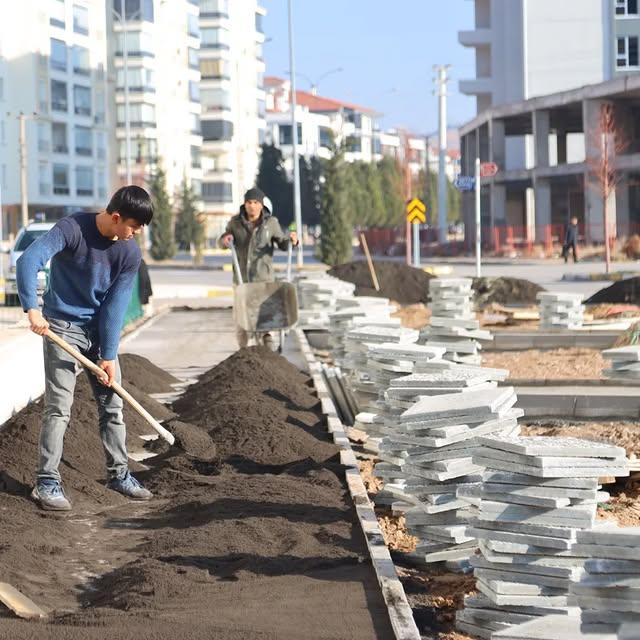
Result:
x=34 y=259
x=113 y=309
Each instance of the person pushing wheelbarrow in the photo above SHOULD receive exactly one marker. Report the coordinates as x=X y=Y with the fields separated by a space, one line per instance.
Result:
x=253 y=232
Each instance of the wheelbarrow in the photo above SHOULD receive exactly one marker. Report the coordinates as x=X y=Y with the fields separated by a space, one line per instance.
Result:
x=263 y=307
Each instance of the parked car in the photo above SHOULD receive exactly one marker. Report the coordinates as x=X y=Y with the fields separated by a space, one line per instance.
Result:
x=25 y=237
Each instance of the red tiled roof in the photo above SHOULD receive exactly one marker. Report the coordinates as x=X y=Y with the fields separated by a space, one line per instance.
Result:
x=273 y=81
x=318 y=103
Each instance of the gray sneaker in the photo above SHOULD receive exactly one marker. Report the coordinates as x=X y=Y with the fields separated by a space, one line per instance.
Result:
x=130 y=487
x=50 y=495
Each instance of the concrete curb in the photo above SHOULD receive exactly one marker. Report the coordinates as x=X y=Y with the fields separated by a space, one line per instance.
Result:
x=512 y=341
x=550 y=382
x=400 y=613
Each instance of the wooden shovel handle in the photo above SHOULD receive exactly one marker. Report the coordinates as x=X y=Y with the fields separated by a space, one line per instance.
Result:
x=125 y=395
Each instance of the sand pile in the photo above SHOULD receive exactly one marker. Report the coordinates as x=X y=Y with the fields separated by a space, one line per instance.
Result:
x=252 y=546
x=398 y=281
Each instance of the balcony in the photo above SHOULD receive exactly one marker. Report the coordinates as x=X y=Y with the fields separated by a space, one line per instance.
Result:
x=475 y=38
x=476 y=86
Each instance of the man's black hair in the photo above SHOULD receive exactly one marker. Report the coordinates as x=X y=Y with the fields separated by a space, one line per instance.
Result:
x=132 y=202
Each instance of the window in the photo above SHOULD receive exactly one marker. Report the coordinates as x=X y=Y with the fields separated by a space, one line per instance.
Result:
x=261 y=108
x=627 y=53
x=57 y=17
x=140 y=79
x=326 y=136
x=58 y=55
x=81 y=20
x=61 y=179
x=43 y=95
x=354 y=117
x=195 y=157
x=143 y=150
x=214 y=38
x=285 y=134
x=194 y=58
x=84 y=181
x=194 y=124
x=43 y=137
x=354 y=144
x=216 y=192
x=82 y=100
x=259 y=25
x=217 y=130
x=215 y=99
x=193 y=25
x=81 y=60
x=99 y=115
x=59 y=95
x=139 y=43
x=626 y=7
x=44 y=186
x=141 y=114
x=194 y=91
x=209 y=8
x=84 y=145
x=214 y=69
x=59 y=137
x=102 y=190
x=135 y=9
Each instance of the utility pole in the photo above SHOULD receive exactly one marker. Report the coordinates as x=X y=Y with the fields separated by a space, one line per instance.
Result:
x=127 y=119
x=22 y=140
x=294 y=139
x=441 y=82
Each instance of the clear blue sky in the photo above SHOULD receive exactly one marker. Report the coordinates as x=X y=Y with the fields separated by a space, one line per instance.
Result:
x=387 y=50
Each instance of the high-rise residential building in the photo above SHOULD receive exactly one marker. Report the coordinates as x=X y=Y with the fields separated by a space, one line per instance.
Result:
x=530 y=48
x=53 y=58
x=233 y=104
x=160 y=73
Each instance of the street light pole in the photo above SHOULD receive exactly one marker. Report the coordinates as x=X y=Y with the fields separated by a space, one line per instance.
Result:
x=442 y=151
x=127 y=119
x=24 y=206
x=294 y=139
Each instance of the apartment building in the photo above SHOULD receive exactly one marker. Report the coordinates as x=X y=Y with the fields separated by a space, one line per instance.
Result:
x=53 y=70
x=153 y=51
x=529 y=48
x=320 y=122
x=233 y=105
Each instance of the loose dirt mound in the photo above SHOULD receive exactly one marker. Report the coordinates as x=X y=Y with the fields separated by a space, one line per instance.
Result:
x=145 y=375
x=399 y=282
x=251 y=555
x=624 y=291
x=505 y=291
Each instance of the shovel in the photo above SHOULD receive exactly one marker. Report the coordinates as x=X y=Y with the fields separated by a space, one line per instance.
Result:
x=125 y=395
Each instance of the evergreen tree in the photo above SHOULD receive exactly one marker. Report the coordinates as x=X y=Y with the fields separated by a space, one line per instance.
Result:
x=336 y=228
x=354 y=184
x=392 y=191
x=272 y=179
x=375 y=197
x=310 y=174
x=187 y=226
x=162 y=245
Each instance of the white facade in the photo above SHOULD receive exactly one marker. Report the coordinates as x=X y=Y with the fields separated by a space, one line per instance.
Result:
x=53 y=58
x=233 y=105
x=162 y=45
x=530 y=48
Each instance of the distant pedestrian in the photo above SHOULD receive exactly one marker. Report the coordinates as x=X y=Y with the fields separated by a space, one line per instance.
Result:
x=571 y=240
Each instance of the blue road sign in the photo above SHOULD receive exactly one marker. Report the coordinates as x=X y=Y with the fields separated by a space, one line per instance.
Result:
x=465 y=183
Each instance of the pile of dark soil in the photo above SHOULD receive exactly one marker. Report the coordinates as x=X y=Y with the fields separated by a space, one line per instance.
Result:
x=398 y=281
x=624 y=291
x=505 y=291
x=144 y=375
x=261 y=544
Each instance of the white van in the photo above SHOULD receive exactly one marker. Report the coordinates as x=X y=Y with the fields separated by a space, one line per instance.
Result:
x=25 y=237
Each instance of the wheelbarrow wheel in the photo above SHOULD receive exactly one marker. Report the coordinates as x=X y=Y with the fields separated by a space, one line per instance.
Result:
x=281 y=345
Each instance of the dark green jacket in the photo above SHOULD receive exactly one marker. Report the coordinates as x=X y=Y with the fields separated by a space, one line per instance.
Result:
x=254 y=245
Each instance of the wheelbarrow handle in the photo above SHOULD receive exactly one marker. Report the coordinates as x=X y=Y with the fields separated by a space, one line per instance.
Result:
x=236 y=263
x=289 y=259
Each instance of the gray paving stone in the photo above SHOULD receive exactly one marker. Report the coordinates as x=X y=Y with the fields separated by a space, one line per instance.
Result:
x=567 y=533
x=539 y=491
x=573 y=573
x=548 y=462
x=553 y=446
x=519 y=578
x=511 y=598
x=552 y=472
x=519 y=538
x=573 y=516
x=506 y=477
x=625 y=537
x=554 y=627
x=629 y=631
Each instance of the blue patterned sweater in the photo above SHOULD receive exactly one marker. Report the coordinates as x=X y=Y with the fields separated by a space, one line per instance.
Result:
x=90 y=280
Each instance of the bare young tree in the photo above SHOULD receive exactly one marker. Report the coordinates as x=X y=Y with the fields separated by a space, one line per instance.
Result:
x=610 y=141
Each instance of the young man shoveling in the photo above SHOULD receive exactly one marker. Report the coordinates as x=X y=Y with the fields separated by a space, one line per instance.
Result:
x=254 y=232
x=94 y=262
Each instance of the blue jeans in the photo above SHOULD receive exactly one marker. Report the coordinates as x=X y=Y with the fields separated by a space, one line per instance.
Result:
x=60 y=382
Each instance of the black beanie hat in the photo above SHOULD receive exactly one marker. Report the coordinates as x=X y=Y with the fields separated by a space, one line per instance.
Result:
x=254 y=194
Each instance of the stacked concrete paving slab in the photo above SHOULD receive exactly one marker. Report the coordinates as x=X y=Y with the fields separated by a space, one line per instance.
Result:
x=453 y=323
x=537 y=495
x=433 y=443
x=317 y=298
x=560 y=310
x=625 y=363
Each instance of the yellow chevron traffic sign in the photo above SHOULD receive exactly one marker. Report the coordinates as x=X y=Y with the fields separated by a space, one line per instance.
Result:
x=416 y=211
